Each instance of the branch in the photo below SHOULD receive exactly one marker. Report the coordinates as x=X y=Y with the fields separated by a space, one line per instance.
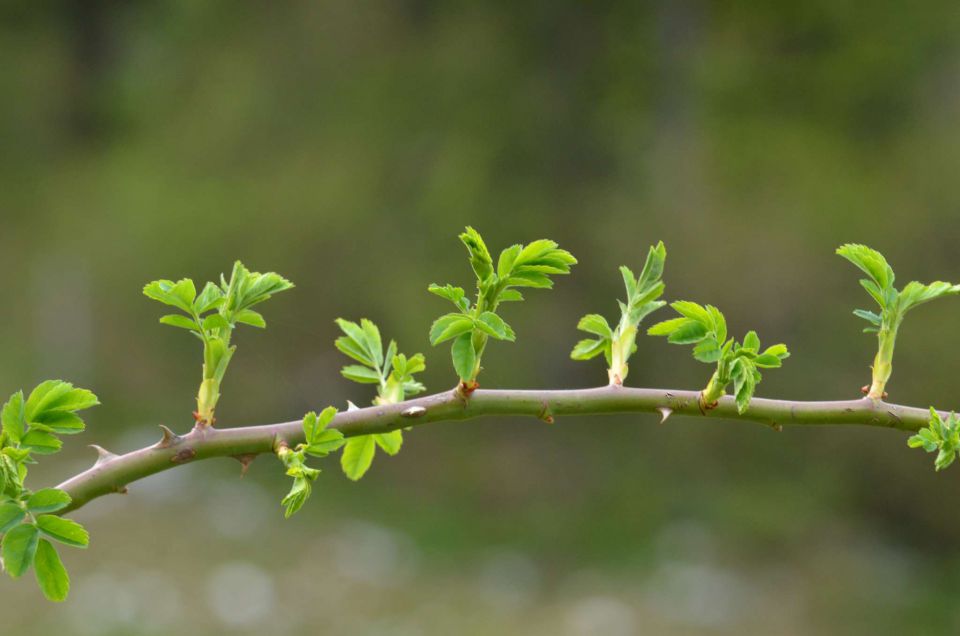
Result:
x=112 y=473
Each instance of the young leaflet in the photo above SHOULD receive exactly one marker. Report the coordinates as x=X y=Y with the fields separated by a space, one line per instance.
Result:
x=31 y=427
x=894 y=304
x=470 y=326
x=740 y=363
x=617 y=345
x=212 y=316
x=319 y=441
x=392 y=372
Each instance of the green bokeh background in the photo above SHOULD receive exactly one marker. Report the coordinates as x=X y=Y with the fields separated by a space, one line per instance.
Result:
x=345 y=144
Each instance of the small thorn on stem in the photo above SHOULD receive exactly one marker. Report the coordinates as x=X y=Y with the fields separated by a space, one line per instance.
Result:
x=103 y=455
x=413 y=411
x=245 y=461
x=665 y=412
x=121 y=490
x=169 y=438
x=352 y=407
x=545 y=415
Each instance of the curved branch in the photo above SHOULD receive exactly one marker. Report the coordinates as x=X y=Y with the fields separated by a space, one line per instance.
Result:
x=113 y=472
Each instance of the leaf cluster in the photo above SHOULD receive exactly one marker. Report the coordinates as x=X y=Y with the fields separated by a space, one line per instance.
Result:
x=940 y=436
x=31 y=427
x=470 y=326
x=617 y=345
x=392 y=372
x=320 y=441
x=212 y=315
x=893 y=303
x=737 y=362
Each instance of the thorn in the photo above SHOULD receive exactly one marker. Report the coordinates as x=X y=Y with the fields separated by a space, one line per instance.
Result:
x=245 y=461
x=103 y=455
x=545 y=415
x=352 y=407
x=665 y=412
x=413 y=411
x=121 y=490
x=169 y=438
x=183 y=456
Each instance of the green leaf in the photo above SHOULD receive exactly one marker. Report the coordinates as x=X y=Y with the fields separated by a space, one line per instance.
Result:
x=19 y=548
x=870 y=261
x=707 y=350
x=389 y=442
x=348 y=346
x=666 y=327
x=315 y=426
x=464 y=356
x=216 y=321
x=508 y=258
x=751 y=342
x=779 y=350
x=587 y=349
x=480 y=259
x=363 y=375
x=768 y=361
x=41 y=442
x=12 y=417
x=595 y=324
x=61 y=422
x=875 y=292
x=210 y=298
x=52 y=577
x=692 y=311
x=510 y=295
x=63 y=530
x=374 y=343
x=744 y=385
x=357 y=456
x=449 y=326
x=10 y=515
x=365 y=338
x=48 y=500
x=297 y=496
x=57 y=395
x=174 y=294
x=456 y=295
x=178 y=320
x=944 y=458
x=653 y=267
x=185 y=292
x=493 y=325
x=869 y=316
x=688 y=332
x=530 y=279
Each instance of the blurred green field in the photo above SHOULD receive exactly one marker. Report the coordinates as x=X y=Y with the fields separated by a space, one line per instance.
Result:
x=345 y=144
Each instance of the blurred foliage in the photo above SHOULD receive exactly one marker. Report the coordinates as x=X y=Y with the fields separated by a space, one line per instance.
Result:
x=345 y=144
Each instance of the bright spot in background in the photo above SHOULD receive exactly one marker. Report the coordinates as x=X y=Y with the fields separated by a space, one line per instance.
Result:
x=240 y=594
x=601 y=615
x=374 y=555
x=508 y=580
